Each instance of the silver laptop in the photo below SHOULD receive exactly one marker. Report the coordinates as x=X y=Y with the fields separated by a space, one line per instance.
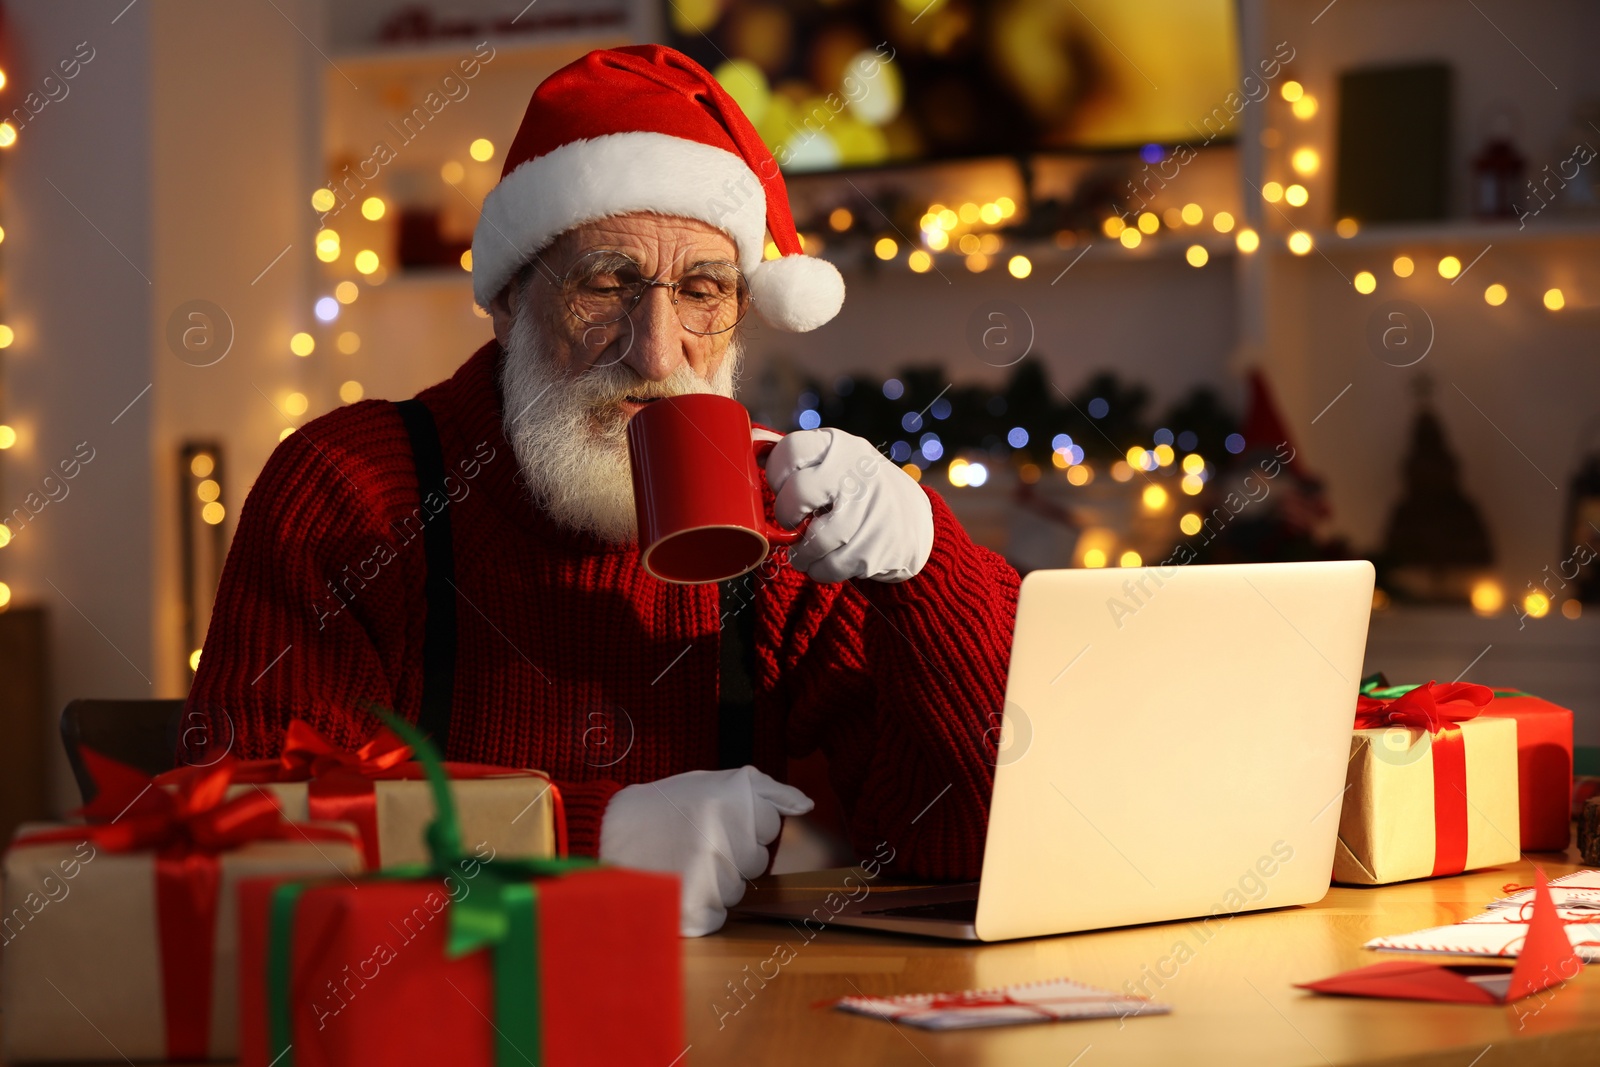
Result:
x=1173 y=746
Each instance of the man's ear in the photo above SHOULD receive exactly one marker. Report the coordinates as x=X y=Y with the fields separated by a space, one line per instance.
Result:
x=500 y=309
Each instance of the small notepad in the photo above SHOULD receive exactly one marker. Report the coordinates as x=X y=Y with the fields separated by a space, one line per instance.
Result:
x=1047 y=1001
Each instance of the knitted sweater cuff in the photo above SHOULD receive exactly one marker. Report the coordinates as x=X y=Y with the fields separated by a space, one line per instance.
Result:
x=585 y=804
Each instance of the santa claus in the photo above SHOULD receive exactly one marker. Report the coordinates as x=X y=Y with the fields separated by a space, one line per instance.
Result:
x=469 y=557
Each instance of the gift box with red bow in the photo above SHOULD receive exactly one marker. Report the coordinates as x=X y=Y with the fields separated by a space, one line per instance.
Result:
x=1544 y=761
x=379 y=788
x=1431 y=788
x=121 y=933
x=556 y=962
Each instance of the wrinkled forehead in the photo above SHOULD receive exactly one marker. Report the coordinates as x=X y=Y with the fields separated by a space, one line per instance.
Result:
x=660 y=244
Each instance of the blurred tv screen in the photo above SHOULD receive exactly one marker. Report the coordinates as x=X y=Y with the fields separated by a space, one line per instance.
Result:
x=839 y=84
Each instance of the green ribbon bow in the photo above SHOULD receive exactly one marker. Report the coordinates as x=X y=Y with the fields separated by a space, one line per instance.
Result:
x=1377 y=687
x=501 y=914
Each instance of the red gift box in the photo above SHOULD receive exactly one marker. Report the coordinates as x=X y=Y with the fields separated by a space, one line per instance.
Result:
x=562 y=963
x=1544 y=768
x=1544 y=761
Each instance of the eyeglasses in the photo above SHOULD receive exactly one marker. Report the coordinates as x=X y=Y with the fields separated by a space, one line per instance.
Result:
x=604 y=286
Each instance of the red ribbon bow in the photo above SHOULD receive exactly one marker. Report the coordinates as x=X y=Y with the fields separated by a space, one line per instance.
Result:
x=308 y=754
x=188 y=828
x=1436 y=709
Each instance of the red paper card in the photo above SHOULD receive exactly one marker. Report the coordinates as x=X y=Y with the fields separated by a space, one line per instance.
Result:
x=1546 y=959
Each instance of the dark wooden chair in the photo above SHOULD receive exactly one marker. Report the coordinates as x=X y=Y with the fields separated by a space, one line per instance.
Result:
x=141 y=733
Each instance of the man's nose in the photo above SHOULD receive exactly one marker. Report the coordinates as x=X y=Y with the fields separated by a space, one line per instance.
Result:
x=657 y=349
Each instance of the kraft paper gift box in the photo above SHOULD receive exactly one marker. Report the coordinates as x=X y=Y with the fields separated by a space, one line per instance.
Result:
x=561 y=963
x=1431 y=788
x=121 y=936
x=381 y=790
x=1544 y=761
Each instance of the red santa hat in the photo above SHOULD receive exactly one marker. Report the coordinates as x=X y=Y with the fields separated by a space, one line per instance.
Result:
x=646 y=128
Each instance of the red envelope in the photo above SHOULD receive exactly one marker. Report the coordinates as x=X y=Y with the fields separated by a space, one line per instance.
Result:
x=1546 y=959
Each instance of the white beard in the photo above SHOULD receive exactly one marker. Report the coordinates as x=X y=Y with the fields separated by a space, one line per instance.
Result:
x=569 y=436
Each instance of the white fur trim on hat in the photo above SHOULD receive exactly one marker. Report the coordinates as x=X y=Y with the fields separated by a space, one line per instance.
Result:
x=796 y=293
x=619 y=173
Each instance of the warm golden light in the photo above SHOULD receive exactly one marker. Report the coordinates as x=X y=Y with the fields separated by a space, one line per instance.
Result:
x=840 y=219
x=1449 y=267
x=1121 y=472
x=201 y=465
x=482 y=150
x=1149 y=222
x=885 y=248
x=1164 y=455
x=937 y=240
x=1019 y=266
x=1305 y=107
x=8 y=135
x=1223 y=221
x=1487 y=597
x=977 y=263
x=327 y=245
x=1296 y=195
x=302 y=344
x=1272 y=192
x=1193 y=463
x=366 y=261
x=194 y=660
x=1191 y=485
x=373 y=208
x=5 y=596
x=1173 y=217
x=350 y=392
x=1292 y=91
x=1495 y=295
x=1155 y=498
x=1536 y=605
x=466 y=260
x=208 y=490
x=1193 y=214
x=1299 y=242
x=452 y=172
x=349 y=342
x=1403 y=266
x=8 y=436
x=1007 y=206
x=1078 y=474
x=283 y=434
x=1197 y=255
x=213 y=513
x=5 y=535
x=1365 y=281
x=295 y=404
x=1130 y=558
x=970 y=243
x=1094 y=558
x=1554 y=300
x=1247 y=240
x=1113 y=226
x=346 y=292
x=990 y=213
x=919 y=261
x=956 y=472
x=1347 y=227
x=1190 y=523
x=1130 y=237
x=323 y=200
x=1305 y=162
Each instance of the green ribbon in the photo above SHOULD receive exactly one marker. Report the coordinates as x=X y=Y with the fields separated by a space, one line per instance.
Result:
x=501 y=914
x=1377 y=687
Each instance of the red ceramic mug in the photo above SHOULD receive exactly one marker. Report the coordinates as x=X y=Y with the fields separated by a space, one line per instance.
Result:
x=697 y=489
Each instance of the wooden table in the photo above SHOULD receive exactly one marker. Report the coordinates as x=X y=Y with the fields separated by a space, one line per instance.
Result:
x=1233 y=999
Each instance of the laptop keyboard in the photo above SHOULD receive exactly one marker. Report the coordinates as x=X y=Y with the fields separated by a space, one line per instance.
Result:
x=962 y=911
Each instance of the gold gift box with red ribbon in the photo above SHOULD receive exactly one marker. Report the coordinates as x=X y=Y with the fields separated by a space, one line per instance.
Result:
x=381 y=790
x=1431 y=788
x=121 y=934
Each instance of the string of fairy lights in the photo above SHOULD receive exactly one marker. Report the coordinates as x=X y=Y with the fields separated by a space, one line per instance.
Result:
x=8 y=433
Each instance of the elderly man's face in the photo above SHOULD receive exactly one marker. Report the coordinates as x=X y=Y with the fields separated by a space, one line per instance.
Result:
x=651 y=342
x=570 y=387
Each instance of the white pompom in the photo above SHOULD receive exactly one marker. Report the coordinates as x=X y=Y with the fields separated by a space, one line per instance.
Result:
x=797 y=293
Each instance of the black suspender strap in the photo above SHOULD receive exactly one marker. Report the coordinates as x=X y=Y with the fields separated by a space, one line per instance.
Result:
x=736 y=699
x=439 y=626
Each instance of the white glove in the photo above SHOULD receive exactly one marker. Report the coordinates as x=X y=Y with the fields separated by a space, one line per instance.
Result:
x=879 y=524
x=712 y=828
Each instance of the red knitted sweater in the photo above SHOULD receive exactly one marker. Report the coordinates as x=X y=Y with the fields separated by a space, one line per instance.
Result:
x=573 y=660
